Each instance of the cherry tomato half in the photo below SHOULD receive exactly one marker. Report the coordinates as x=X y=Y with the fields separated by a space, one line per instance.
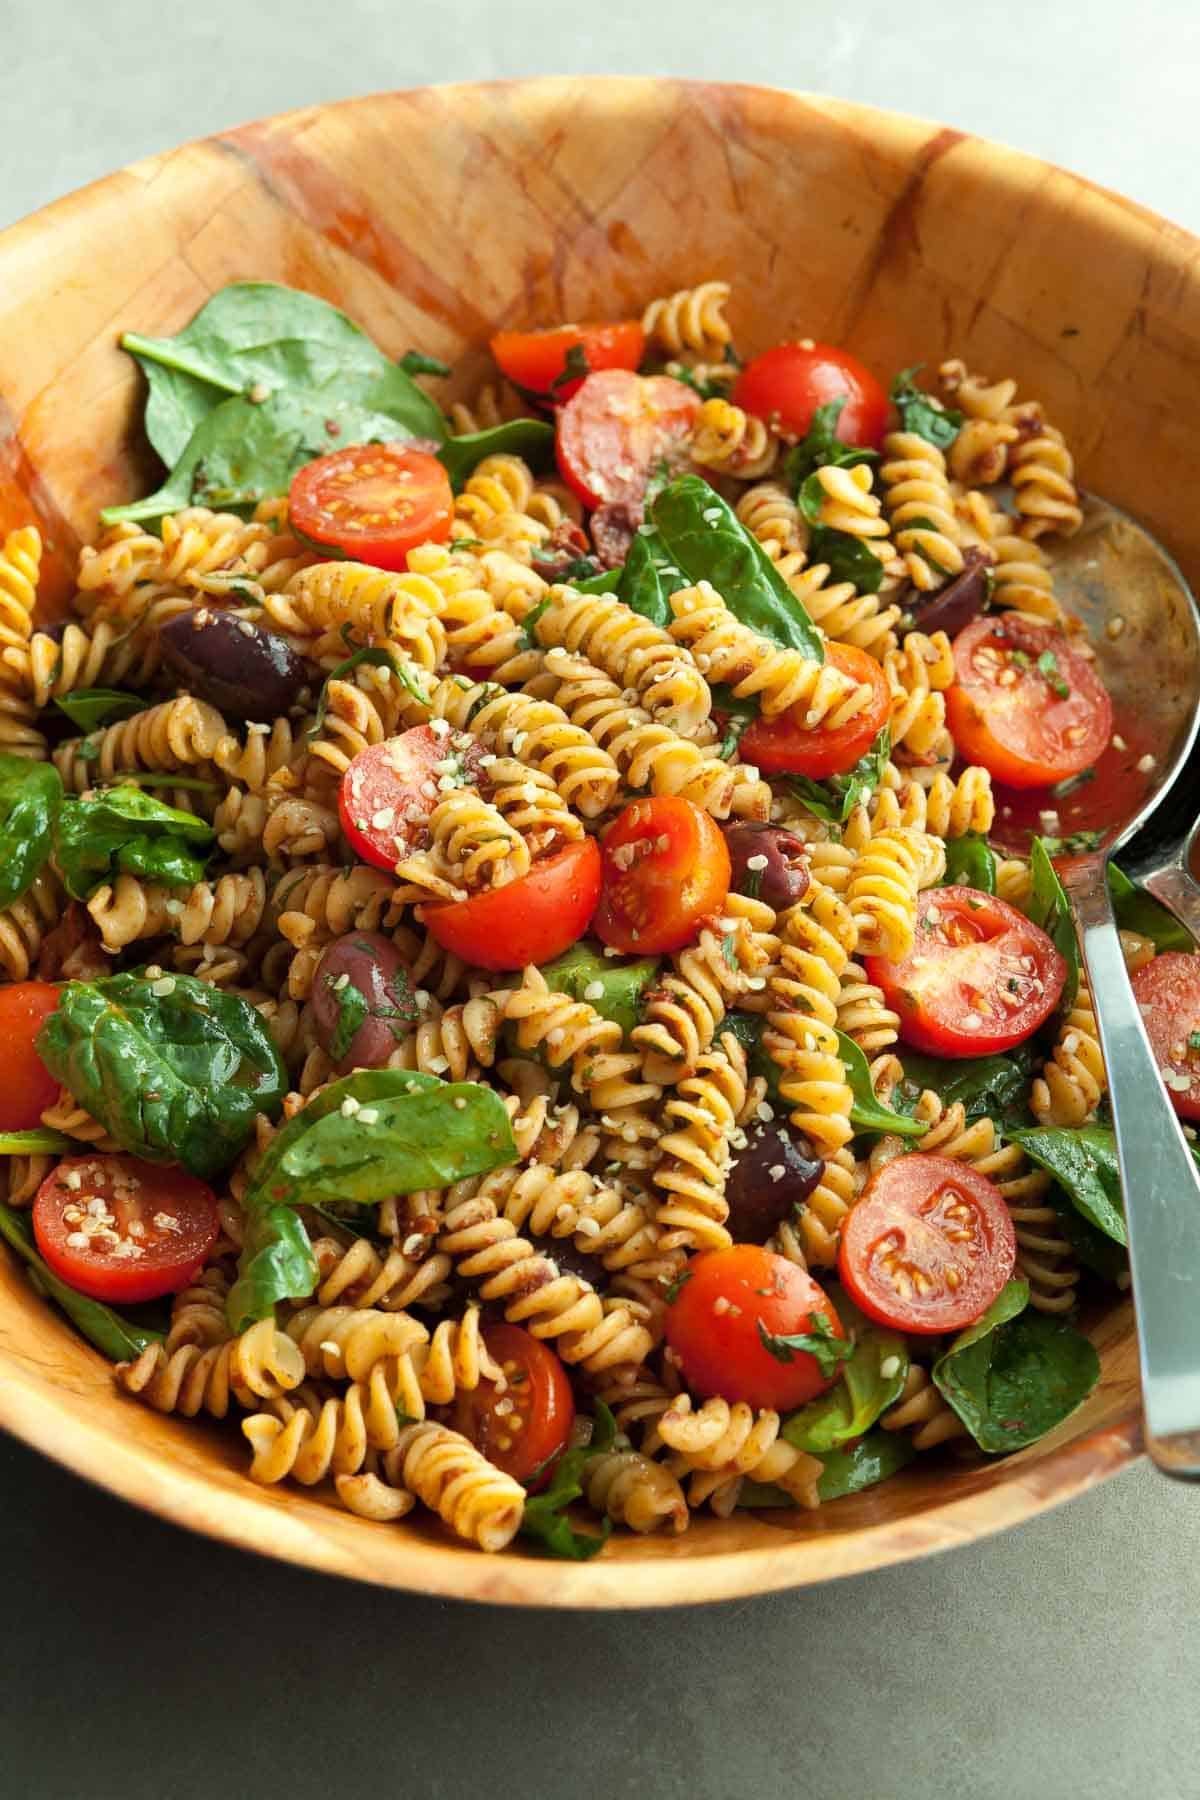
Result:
x=1026 y=704
x=536 y=360
x=1168 y=993
x=524 y=1425
x=123 y=1230
x=390 y=789
x=617 y=428
x=980 y=977
x=728 y=1321
x=785 y=745
x=666 y=870
x=928 y=1245
x=375 y=502
x=28 y=1087
x=787 y=385
x=531 y=920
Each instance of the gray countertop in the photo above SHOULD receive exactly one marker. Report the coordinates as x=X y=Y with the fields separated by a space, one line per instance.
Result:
x=1045 y=1664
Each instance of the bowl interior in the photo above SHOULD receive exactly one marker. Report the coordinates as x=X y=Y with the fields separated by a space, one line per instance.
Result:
x=433 y=217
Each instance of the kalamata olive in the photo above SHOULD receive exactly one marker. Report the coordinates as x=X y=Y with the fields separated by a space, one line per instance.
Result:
x=362 y=1000
x=960 y=601
x=572 y=1261
x=613 y=529
x=783 y=878
x=776 y=1171
x=243 y=670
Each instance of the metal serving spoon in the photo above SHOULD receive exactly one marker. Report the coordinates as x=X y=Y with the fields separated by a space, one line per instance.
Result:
x=1144 y=626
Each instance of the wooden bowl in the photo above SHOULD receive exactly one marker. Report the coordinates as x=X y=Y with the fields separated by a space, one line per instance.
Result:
x=432 y=217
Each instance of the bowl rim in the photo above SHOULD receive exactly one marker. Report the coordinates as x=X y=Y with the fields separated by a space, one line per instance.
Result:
x=43 y=1416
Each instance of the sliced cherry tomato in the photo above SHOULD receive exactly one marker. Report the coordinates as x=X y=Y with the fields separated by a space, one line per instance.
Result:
x=525 y=1424
x=980 y=977
x=785 y=745
x=123 y=1230
x=928 y=1245
x=1026 y=704
x=28 y=1087
x=537 y=360
x=375 y=502
x=666 y=870
x=390 y=789
x=618 y=428
x=531 y=920
x=730 y=1321
x=1168 y=993
x=786 y=386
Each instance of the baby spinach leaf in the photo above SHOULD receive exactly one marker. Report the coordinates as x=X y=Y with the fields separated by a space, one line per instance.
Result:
x=257 y=335
x=175 y=1074
x=835 y=799
x=748 y=1029
x=1048 y=908
x=1092 y=1248
x=920 y=413
x=854 y=1403
x=706 y=541
x=376 y=656
x=89 y=708
x=378 y=1133
x=276 y=1263
x=544 y=1519
x=583 y=969
x=649 y=577
x=1084 y=1164
x=121 y=831
x=36 y=1143
x=117 y=1336
x=821 y=446
x=607 y=582
x=868 y=1113
x=995 y=1086
x=874 y=1458
x=532 y=439
x=242 y=452
x=30 y=797
x=1014 y=1375
x=1140 y=912
x=849 y=558
x=970 y=863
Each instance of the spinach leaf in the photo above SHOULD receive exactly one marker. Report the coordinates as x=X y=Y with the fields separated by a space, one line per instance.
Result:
x=708 y=542
x=173 y=1068
x=544 y=1519
x=116 y=1336
x=256 y=335
x=854 y=1403
x=532 y=439
x=993 y=1086
x=649 y=577
x=242 y=452
x=376 y=656
x=1093 y=1248
x=748 y=1029
x=1048 y=908
x=867 y=1112
x=583 y=969
x=607 y=582
x=30 y=797
x=1084 y=1164
x=1014 y=1375
x=1142 y=913
x=821 y=446
x=378 y=1133
x=920 y=412
x=970 y=863
x=415 y=362
x=872 y=1459
x=734 y=716
x=276 y=1264
x=121 y=831
x=89 y=708
x=36 y=1143
x=835 y=799
x=849 y=558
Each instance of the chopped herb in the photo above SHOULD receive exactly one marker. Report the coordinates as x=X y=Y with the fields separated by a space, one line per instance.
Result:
x=921 y=412
x=574 y=369
x=415 y=362
x=1061 y=789
x=1047 y=664
x=1020 y=659
x=353 y=1009
x=672 y=1293
x=1073 y=844
x=729 y=949
x=1194 y=1040
x=826 y=1349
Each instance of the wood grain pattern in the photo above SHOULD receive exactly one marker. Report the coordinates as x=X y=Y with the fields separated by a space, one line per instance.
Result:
x=433 y=217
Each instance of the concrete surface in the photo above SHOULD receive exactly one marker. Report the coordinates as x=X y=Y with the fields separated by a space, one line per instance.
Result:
x=1057 y=1662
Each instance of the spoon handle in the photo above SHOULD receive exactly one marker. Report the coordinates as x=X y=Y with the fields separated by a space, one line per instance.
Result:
x=1160 y=1180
